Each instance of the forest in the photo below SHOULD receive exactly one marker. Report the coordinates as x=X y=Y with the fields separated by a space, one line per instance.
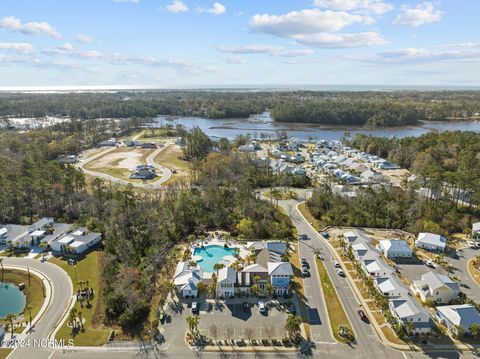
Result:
x=140 y=228
x=368 y=108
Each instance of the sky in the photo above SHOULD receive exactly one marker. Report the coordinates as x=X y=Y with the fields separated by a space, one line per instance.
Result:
x=228 y=43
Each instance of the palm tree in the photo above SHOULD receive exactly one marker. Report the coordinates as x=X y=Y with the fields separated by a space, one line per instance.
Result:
x=29 y=308
x=80 y=319
x=217 y=267
x=72 y=319
x=255 y=289
x=474 y=330
x=1 y=264
x=9 y=318
x=270 y=289
x=292 y=326
x=193 y=322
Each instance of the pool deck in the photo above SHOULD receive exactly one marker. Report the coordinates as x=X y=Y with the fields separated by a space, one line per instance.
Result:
x=218 y=241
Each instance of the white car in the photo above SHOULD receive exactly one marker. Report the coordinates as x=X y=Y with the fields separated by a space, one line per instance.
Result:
x=428 y=263
x=261 y=307
x=472 y=244
x=336 y=264
x=340 y=272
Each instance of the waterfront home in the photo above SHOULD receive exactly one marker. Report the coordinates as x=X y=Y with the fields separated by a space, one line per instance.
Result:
x=458 y=316
x=75 y=242
x=186 y=279
x=407 y=309
x=247 y=148
x=394 y=248
x=476 y=230
x=437 y=287
x=390 y=286
x=431 y=242
x=226 y=279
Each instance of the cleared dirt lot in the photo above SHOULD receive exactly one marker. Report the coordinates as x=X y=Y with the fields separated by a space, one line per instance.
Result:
x=170 y=157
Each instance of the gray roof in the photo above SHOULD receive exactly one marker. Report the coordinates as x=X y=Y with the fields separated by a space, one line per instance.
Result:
x=227 y=273
x=407 y=306
x=476 y=227
x=464 y=315
x=435 y=280
x=432 y=239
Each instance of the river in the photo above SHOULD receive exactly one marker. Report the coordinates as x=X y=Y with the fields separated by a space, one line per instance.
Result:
x=263 y=124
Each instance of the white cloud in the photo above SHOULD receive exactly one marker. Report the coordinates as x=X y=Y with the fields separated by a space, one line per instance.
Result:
x=421 y=14
x=30 y=28
x=235 y=60
x=66 y=47
x=415 y=55
x=177 y=6
x=18 y=47
x=335 y=40
x=265 y=49
x=84 y=38
x=374 y=7
x=306 y=22
x=217 y=9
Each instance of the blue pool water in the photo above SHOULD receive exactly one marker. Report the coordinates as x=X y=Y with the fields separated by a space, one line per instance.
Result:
x=212 y=255
x=12 y=300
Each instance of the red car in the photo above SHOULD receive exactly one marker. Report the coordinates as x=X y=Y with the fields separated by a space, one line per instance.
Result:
x=362 y=315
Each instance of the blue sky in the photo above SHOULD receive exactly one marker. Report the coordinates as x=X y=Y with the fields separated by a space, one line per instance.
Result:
x=194 y=43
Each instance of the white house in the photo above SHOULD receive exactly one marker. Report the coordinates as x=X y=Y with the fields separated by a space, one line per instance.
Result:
x=76 y=242
x=349 y=237
x=437 y=287
x=390 y=286
x=280 y=275
x=454 y=316
x=394 y=248
x=476 y=230
x=226 y=280
x=431 y=242
x=407 y=309
x=360 y=249
x=377 y=267
x=186 y=279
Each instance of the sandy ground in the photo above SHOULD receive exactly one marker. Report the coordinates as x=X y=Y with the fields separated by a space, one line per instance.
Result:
x=127 y=158
x=395 y=176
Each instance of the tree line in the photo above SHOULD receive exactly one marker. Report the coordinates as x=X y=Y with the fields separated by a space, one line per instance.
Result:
x=369 y=108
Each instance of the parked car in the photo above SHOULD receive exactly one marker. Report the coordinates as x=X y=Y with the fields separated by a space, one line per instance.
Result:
x=428 y=263
x=305 y=273
x=336 y=264
x=325 y=235
x=194 y=307
x=261 y=307
x=472 y=244
x=305 y=265
x=303 y=237
x=340 y=272
x=304 y=261
x=362 y=315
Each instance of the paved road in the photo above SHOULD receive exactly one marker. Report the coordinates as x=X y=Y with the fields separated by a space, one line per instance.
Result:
x=166 y=173
x=62 y=291
x=459 y=261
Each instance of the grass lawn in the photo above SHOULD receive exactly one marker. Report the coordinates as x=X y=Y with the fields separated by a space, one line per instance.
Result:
x=474 y=272
x=95 y=333
x=4 y=352
x=391 y=336
x=334 y=306
x=379 y=317
x=33 y=292
x=308 y=216
x=295 y=262
x=170 y=157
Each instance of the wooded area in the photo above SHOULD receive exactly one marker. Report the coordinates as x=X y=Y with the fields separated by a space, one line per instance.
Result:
x=369 y=108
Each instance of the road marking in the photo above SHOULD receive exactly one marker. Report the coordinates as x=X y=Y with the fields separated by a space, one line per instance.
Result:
x=404 y=355
x=51 y=354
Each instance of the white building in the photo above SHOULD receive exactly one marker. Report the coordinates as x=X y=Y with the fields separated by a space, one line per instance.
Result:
x=226 y=280
x=431 y=242
x=394 y=248
x=407 y=309
x=76 y=242
x=476 y=231
x=280 y=275
x=454 y=316
x=186 y=279
x=390 y=286
x=377 y=267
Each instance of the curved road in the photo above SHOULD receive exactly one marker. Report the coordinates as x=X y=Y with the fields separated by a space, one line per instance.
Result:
x=166 y=173
x=61 y=294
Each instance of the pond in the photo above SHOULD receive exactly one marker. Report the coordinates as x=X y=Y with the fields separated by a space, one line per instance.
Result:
x=12 y=299
x=262 y=123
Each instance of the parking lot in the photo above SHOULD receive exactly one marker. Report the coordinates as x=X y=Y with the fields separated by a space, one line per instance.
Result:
x=231 y=320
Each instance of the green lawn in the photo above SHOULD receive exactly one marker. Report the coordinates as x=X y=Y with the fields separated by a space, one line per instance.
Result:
x=308 y=216
x=94 y=333
x=334 y=306
x=33 y=291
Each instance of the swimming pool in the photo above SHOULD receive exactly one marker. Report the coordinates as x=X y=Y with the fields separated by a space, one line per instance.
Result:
x=211 y=255
x=12 y=300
